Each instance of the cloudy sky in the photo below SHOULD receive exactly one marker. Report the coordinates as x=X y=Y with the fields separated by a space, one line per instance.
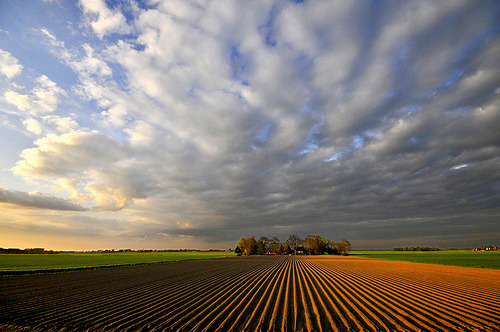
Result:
x=193 y=123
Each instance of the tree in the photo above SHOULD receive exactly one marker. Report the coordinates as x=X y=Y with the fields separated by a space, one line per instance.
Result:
x=313 y=245
x=262 y=245
x=333 y=248
x=242 y=246
x=308 y=244
x=344 y=246
x=294 y=241
x=320 y=245
x=316 y=244
x=286 y=248
x=248 y=246
x=275 y=245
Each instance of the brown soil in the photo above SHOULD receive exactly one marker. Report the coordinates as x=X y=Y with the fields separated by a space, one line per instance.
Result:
x=283 y=293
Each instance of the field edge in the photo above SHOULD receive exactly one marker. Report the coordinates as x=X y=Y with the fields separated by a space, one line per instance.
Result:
x=443 y=257
x=12 y=273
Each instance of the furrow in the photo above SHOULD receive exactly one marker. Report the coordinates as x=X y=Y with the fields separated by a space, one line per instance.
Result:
x=254 y=306
x=455 y=313
x=262 y=311
x=454 y=288
x=415 y=320
x=422 y=312
x=337 y=322
x=489 y=299
x=195 y=305
x=271 y=323
x=223 y=295
x=375 y=320
x=447 y=289
x=348 y=305
x=317 y=313
x=162 y=301
x=180 y=293
x=242 y=307
x=52 y=284
x=431 y=300
x=76 y=301
x=299 y=310
x=333 y=304
x=279 y=293
x=303 y=320
x=379 y=315
x=101 y=307
x=104 y=306
x=288 y=308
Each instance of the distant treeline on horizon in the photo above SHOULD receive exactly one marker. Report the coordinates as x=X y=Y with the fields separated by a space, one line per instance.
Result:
x=417 y=249
x=105 y=251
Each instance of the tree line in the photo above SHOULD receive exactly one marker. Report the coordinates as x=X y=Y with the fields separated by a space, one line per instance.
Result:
x=311 y=245
x=416 y=249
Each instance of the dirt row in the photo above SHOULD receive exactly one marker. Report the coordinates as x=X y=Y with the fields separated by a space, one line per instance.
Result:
x=284 y=293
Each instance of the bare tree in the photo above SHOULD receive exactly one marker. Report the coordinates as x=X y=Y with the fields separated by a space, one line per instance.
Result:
x=309 y=244
x=334 y=248
x=294 y=241
x=275 y=245
x=262 y=245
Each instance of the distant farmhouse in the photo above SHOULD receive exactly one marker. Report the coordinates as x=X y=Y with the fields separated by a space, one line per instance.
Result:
x=487 y=248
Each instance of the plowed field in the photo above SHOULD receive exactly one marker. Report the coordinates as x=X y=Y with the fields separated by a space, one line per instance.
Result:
x=257 y=293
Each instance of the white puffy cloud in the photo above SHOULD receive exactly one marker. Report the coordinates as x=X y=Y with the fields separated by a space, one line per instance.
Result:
x=92 y=160
x=50 y=124
x=60 y=124
x=33 y=126
x=9 y=65
x=68 y=154
x=20 y=101
x=86 y=64
x=43 y=98
x=102 y=19
x=142 y=135
x=90 y=64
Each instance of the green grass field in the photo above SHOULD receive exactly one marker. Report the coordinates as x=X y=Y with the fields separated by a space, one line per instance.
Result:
x=483 y=259
x=10 y=263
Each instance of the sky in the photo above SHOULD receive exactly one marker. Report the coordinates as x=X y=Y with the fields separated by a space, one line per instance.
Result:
x=194 y=123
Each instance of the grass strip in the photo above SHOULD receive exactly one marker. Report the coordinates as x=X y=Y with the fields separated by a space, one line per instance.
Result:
x=20 y=264
x=465 y=258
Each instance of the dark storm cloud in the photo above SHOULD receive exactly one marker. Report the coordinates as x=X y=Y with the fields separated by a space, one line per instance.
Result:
x=37 y=200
